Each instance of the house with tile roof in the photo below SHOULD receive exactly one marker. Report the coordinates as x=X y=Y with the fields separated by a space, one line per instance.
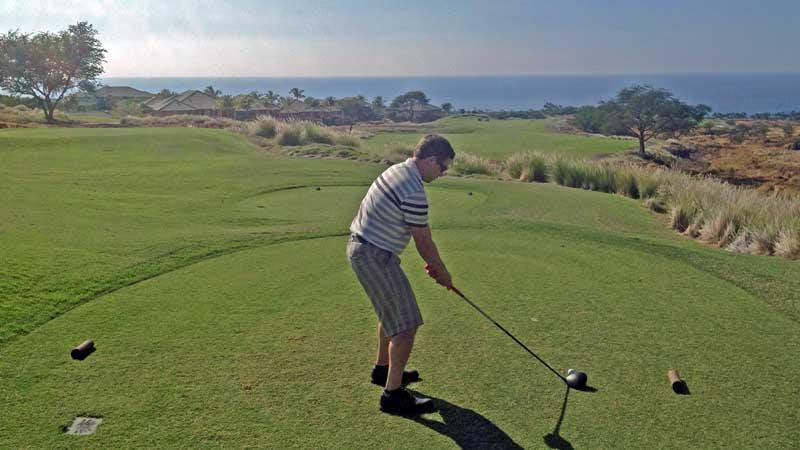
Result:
x=189 y=102
x=107 y=96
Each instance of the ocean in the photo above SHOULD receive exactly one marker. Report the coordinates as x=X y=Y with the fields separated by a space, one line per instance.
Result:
x=749 y=93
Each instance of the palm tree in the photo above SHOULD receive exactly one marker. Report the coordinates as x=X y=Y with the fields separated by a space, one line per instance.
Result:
x=225 y=102
x=271 y=98
x=296 y=93
x=211 y=92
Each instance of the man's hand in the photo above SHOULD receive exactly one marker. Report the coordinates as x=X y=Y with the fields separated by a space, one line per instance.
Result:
x=441 y=277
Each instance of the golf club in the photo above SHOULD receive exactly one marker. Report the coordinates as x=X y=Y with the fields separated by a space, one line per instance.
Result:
x=575 y=380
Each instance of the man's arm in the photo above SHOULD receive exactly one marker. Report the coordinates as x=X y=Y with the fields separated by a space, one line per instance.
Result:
x=427 y=249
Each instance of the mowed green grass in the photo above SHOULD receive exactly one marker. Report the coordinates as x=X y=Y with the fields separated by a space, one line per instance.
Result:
x=499 y=139
x=255 y=333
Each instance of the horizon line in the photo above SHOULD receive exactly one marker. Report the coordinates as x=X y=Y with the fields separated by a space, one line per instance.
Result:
x=566 y=74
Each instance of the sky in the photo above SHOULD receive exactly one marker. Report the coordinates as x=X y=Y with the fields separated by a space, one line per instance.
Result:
x=317 y=38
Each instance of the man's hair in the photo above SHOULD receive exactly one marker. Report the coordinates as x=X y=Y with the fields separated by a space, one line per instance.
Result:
x=434 y=145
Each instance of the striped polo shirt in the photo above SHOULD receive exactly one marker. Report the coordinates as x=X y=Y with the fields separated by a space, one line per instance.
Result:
x=394 y=203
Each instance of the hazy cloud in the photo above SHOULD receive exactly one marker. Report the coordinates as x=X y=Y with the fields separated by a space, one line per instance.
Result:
x=414 y=37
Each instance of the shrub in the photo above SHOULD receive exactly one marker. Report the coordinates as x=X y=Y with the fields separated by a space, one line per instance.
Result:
x=126 y=108
x=291 y=134
x=348 y=140
x=21 y=114
x=602 y=178
x=393 y=152
x=722 y=228
x=681 y=217
x=466 y=164
x=655 y=205
x=625 y=182
x=530 y=166
x=317 y=134
x=132 y=121
x=567 y=172
x=763 y=241
x=788 y=243
x=649 y=182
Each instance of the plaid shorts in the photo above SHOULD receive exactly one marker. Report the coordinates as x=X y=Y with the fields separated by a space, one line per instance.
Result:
x=386 y=285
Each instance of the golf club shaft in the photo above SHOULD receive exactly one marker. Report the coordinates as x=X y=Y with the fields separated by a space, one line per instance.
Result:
x=509 y=334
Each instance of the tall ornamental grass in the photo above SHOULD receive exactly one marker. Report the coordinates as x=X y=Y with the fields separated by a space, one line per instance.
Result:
x=22 y=115
x=466 y=164
x=528 y=166
x=263 y=126
x=735 y=218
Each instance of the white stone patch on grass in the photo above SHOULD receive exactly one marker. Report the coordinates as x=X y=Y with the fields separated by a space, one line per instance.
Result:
x=83 y=426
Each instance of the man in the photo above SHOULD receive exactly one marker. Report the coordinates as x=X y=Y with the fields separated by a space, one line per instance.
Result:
x=394 y=210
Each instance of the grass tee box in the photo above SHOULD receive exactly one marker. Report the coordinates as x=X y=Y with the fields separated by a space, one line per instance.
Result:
x=499 y=139
x=213 y=279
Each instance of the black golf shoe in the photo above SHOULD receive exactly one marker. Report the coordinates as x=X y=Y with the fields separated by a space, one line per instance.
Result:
x=381 y=373
x=404 y=403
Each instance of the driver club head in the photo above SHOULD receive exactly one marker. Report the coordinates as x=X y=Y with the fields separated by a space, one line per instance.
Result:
x=577 y=380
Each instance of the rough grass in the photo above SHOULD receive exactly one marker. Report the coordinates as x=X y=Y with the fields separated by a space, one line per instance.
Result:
x=21 y=114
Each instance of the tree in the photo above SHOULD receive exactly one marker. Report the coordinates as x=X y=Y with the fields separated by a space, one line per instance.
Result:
x=378 y=103
x=243 y=102
x=46 y=66
x=410 y=98
x=447 y=107
x=271 y=98
x=225 y=102
x=126 y=108
x=329 y=101
x=645 y=111
x=211 y=92
x=296 y=93
x=166 y=93
x=312 y=102
x=89 y=86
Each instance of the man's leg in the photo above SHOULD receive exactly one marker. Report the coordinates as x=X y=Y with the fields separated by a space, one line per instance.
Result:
x=383 y=347
x=399 y=351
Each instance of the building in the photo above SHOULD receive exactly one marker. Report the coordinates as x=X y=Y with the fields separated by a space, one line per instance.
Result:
x=107 y=96
x=189 y=102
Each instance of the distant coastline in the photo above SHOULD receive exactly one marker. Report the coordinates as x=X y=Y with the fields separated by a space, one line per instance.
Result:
x=724 y=92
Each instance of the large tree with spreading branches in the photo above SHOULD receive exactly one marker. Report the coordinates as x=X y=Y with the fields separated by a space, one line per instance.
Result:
x=645 y=112
x=46 y=66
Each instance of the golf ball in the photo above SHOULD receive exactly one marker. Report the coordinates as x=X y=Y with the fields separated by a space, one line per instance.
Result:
x=571 y=371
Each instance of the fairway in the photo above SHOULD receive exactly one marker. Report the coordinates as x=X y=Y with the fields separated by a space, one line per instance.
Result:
x=499 y=139
x=214 y=281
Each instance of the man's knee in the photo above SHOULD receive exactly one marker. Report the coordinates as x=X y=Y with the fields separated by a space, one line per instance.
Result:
x=405 y=336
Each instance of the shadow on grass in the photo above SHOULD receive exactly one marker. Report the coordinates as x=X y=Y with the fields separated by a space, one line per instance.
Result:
x=467 y=428
x=554 y=439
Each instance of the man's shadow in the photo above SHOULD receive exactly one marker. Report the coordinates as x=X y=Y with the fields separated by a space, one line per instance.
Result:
x=468 y=429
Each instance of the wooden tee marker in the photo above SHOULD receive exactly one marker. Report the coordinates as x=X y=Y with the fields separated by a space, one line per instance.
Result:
x=678 y=386
x=82 y=351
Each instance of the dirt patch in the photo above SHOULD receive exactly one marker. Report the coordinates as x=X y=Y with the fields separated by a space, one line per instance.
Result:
x=768 y=164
